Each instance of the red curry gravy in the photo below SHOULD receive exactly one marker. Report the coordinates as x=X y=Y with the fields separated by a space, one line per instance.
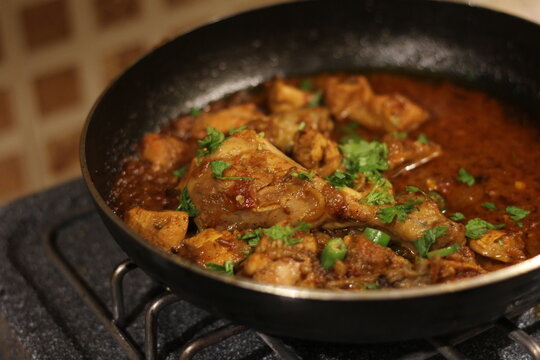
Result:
x=476 y=131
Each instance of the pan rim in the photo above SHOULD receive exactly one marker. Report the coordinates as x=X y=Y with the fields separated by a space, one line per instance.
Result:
x=462 y=285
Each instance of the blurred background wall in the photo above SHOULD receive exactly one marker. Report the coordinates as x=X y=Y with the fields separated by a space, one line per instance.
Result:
x=56 y=56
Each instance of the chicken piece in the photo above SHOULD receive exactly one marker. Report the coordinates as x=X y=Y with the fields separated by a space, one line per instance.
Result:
x=354 y=99
x=164 y=151
x=269 y=195
x=283 y=97
x=165 y=229
x=280 y=129
x=371 y=261
x=317 y=152
x=213 y=246
x=276 y=263
x=264 y=193
x=406 y=154
x=501 y=246
x=226 y=119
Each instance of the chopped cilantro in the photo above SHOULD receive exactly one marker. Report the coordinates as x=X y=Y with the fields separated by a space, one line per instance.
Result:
x=380 y=194
x=304 y=175
x=285 y=233
x=520 y=224
x=449 y=250
x=234 y=131
x=428 y=238
x=517 y=213
x=226 y=268
x=489 y=206
x=363 y=156
x=413 y=189
x=500 y=242
x=422 y=139
x=186 y=204
x=252 y=237
x=341 y=179
x=302 y=125
x=477 y=227
x=350 y=132
x=315 y=99
x=465 y=177
x=211 y=142
x=388 y=214
x=371 y=286
x=261 y=134
x=180 y=172
x=399 y=135
x=457 y=216
x=306 y=85
x=195 y=111
x=219 y=166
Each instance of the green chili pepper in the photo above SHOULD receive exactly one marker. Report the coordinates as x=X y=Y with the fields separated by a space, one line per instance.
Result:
x=377 y=236
x=335 y=249
x=444 y=251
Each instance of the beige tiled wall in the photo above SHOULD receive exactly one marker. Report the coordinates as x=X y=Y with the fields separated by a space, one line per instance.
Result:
x=56 y=56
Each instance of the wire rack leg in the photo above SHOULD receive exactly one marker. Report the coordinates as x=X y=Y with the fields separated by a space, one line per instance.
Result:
x=520 y=336
x=212 y=337
x=117 y=289
x=151 y=323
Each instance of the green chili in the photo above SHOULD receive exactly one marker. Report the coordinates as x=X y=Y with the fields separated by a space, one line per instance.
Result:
x=377 y=236
x=335 y=249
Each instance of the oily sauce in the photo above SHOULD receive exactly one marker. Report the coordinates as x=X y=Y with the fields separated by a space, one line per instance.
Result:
x=495 y=142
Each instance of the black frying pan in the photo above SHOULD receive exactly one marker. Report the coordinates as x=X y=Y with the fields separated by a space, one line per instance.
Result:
x=495 y=51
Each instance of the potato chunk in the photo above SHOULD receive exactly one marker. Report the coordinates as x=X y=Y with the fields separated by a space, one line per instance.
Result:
x=165 y=229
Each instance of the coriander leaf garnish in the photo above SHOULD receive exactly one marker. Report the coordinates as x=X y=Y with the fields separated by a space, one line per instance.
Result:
x=219 y=166
x=211 y=142
x=380 y=194
x=180 y=172
x=517 y=213
x=388 y=214
x=252 y=237
x=226 y=268
x=195 y=111
x=399 y=135
x=341 y=179
x=465 y=177
x=477 y=227
x=302 y=125
x=413 y=189
x=350 y=132
x=234 y=131
x=186 y=204
x=428 y=238
x=457 y=216
x=285 y=233
x=304 y=175
x=371 y=286
x=363 y=156
x=490 y=206
x=306 y=85
x=315 y=99
x=422 y=139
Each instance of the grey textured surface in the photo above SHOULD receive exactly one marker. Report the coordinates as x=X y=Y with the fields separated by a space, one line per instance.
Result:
x=42 y=317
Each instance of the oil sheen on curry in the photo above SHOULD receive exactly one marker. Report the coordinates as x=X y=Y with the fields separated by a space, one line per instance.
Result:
x=347 y=181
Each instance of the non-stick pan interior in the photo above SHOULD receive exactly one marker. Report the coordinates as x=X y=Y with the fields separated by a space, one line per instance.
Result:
x=494 y=51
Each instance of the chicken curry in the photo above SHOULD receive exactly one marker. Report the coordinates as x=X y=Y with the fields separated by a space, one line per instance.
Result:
x=341 y=181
